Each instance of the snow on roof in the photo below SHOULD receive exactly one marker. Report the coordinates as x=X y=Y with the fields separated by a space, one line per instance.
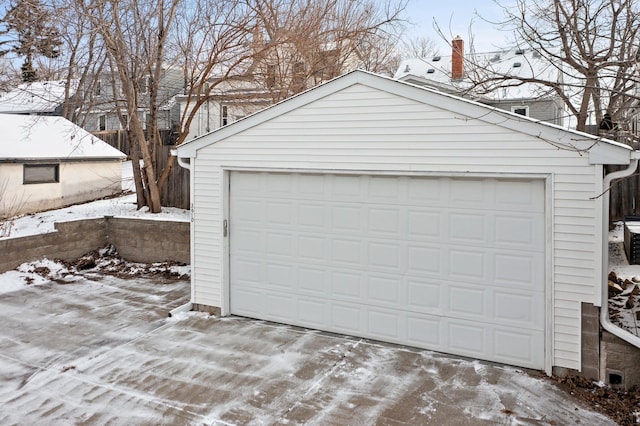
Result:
x=46 y=137
x=37 y=97
x=519 y=63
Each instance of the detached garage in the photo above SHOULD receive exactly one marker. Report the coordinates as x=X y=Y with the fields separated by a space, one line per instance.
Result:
x=374 y=208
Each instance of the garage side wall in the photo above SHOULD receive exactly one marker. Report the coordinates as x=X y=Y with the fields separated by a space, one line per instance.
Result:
x=362 y=129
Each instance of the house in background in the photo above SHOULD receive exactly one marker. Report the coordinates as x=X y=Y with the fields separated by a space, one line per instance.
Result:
x=37 y=98
x=275 y=73
x=371 y=207
x=456 y=73
x=102 y=115
x=49 y=162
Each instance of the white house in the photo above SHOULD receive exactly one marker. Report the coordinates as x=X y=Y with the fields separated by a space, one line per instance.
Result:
x=376 y=208
x=48 y=162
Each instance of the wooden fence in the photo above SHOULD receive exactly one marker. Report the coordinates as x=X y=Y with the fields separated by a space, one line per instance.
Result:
x=175 y=193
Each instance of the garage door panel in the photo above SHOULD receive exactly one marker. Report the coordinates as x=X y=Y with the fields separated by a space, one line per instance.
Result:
x=347 y=219
x=425 y=224
x=280 y=244
x=518 y=309
x=384 y=255
x=522 y=271
x=466 y=264
x=346 y=285
x=384 y=222
x=425 y=332
x=453 y=265
x=311 y=216
x=312 y=281
x=384 y=325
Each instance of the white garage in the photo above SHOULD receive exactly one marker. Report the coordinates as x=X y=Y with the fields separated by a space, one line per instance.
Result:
x=374 y=208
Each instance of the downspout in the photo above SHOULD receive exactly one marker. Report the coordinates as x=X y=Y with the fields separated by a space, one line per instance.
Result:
x=189 y=305
x=604 y=310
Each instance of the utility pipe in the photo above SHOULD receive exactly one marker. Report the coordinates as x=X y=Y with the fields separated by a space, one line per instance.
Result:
x=604 y=309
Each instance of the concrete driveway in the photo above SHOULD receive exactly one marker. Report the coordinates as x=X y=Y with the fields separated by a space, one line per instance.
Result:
x=101 y=350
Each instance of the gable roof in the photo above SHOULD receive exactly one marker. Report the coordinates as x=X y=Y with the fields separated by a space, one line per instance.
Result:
x=600 y=150
x=29 y=137
x=36 y=97
x=519 y=63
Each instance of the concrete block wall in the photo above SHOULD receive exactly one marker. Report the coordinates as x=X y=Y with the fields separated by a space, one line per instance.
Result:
x=620 y=362
x=138 y=240
x=590 y=341
x=606 y=357
x=69 y=240
x=141 y=240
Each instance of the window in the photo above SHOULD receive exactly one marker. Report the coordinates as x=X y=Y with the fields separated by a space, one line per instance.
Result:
x=98 y=88
x=271 y=76
x=41 y=173
x=144 y=84
x=224 y=115
x=298 y=83
x=522 y=110
x=102 y=122
x=124 y=121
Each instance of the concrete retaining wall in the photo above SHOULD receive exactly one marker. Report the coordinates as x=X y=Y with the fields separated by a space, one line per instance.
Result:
x=138 y=240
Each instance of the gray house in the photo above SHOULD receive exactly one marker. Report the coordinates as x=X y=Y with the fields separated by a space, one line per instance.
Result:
x=103 y=115
x=456 y=74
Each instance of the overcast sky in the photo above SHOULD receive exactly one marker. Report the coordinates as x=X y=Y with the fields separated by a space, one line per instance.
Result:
x=456 y=17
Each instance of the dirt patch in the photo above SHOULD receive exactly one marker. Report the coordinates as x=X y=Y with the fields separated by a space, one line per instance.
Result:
x=621 y=406
x=107 y=261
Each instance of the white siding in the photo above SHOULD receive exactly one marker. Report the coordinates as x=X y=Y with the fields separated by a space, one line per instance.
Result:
x=364 y=129
x=79 y=182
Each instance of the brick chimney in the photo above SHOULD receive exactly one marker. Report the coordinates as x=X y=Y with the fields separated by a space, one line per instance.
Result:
x=457 y=58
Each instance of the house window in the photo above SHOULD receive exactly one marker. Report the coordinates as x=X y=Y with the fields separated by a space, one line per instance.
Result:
x=271 y=76
x=98 y=88
x=298 y=77
x=124 y=121
x=41 y=173
x=522 y=110
x=102 y=122
x=224 y=115
x=144 y=84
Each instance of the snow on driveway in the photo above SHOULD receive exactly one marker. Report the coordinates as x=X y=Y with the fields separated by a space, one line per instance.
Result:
x=94 y=349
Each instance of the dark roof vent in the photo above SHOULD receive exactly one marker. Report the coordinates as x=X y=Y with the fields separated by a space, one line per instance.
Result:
x=517 y=64
x=430 y=71
x=520 y=52
x=436 y=58
x=407 y=68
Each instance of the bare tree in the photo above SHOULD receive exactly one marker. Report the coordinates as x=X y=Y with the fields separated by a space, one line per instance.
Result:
x=594 y=44
x=303 y=43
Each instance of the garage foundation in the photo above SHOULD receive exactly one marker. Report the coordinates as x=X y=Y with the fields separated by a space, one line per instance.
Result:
x=605 y=357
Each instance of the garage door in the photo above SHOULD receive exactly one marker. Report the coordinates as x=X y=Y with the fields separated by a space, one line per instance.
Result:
x=453 y=265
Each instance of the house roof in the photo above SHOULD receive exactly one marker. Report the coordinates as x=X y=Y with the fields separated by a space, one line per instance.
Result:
x=520 y=63
x=37 y=97
x=29 y=137
x=600 y=150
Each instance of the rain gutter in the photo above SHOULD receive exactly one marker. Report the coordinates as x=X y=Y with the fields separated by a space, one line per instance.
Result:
x=605 y=321
x=189 y=305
